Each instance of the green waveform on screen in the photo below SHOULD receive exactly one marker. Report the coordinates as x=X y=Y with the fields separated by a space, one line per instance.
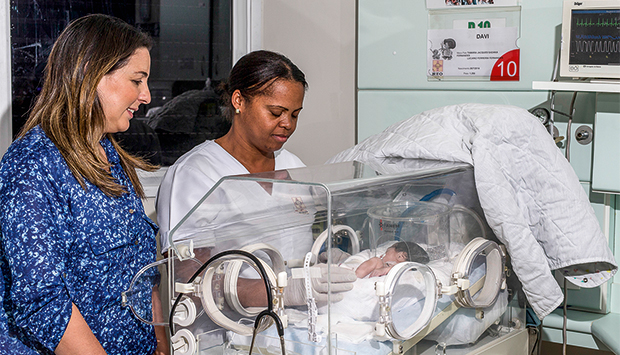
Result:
x=598 y=22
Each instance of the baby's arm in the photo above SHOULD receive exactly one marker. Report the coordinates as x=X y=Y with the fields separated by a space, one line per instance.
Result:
x=380 y=271
x=368 y=266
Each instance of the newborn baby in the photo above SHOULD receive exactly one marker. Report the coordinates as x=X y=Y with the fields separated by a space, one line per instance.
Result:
x=362 y=303
x=398 y=252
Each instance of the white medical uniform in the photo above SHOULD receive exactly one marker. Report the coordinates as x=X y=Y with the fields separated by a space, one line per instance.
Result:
x=191 y=177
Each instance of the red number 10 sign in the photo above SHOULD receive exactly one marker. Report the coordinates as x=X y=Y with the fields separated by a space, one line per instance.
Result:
x=506 y=68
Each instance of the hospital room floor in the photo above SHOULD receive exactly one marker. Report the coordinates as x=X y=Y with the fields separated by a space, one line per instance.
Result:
x=548 y=348
x=556 y=349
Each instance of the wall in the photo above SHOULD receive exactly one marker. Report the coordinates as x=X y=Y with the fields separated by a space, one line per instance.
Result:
x=319 y=37
x=392 y=86
x=5 y=77
x=392 y=63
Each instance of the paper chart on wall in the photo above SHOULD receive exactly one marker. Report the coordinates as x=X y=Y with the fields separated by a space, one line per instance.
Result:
x=440 y=4
x=479 y=53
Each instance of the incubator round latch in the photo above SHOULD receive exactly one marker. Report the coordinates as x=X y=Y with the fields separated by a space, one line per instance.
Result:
x=185 y=251
x=479 y=313
x=183 y=342
x=185 y=313
x=142 y=286
x=380 y=329
x=379 y=288
x=282 y=279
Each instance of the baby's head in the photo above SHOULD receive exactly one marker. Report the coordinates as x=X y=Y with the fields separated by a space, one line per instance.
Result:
x=406 y=251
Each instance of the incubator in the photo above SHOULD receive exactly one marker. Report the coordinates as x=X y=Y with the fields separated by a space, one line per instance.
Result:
x=245 y=263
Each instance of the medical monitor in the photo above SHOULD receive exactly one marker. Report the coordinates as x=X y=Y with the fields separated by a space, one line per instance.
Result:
x=590 y=39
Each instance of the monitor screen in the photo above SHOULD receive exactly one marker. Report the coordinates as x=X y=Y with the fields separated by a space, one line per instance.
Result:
x=591 y=39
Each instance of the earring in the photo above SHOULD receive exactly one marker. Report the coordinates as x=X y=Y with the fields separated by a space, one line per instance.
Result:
x=237 y=111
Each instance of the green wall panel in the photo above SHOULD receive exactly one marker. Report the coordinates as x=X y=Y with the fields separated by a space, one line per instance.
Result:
x=378 y=109
x=393 y=43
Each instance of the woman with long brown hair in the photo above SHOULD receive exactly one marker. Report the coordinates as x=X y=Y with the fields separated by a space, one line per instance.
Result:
x=74 y=231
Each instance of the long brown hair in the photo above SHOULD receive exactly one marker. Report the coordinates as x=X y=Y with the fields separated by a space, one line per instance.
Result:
x=68 y=108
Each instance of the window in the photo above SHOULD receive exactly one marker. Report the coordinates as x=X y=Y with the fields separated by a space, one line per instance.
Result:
x=192 y=53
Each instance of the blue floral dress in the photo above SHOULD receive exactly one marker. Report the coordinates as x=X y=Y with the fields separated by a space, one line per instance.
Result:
x=62 y=244
x=8 y=344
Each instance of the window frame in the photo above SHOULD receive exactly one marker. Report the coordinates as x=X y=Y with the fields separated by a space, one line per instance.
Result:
x=246 y=37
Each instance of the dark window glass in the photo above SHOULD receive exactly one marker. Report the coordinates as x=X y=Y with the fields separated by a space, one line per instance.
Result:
x=192 y=53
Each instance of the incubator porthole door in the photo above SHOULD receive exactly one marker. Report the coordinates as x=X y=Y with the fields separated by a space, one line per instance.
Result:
x=407 y=300
x=233 y=270
x=231 y=313
x=141 y=290
x=481 y=259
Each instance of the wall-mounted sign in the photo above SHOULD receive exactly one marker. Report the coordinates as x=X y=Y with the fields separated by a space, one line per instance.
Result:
x=442 y=4
x=477 y=52
x=478 y=44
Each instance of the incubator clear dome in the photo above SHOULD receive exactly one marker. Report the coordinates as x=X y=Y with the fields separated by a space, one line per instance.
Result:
x=308 y=228
x=425 y=224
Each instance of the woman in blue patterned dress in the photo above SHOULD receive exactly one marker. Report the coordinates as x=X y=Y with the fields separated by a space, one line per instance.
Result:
x=74 y=231
x=8 y=344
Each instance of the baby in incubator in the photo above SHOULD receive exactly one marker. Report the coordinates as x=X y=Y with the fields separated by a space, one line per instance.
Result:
x=396 y=253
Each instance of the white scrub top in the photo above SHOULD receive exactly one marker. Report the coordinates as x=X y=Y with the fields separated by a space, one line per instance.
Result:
x=193 y=174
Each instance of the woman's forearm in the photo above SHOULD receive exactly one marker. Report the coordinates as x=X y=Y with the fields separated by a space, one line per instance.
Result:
x=78 y=337
x=163 y=347
x=252 y=292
